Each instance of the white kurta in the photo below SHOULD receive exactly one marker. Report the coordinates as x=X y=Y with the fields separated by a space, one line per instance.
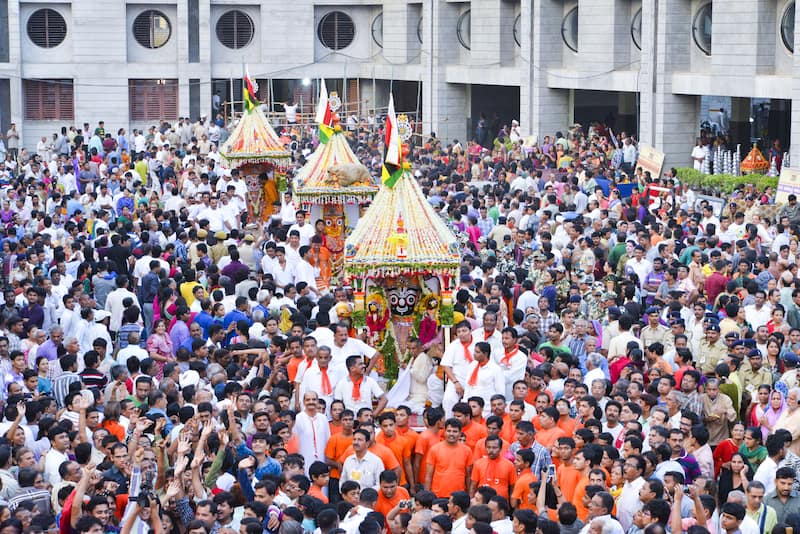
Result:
x=313 y=434
x=513 y=370
x=495 y=341
x=368 y=389
x=454 y=357
x=490 y=382
x=312 y=381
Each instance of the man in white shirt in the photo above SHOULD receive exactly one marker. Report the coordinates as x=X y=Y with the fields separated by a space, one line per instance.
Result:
x=362 y=466
x=629 y=503
x=511 y=360
x=456 y=362
x=490 y=334
x=59 y=443
x=306 y=230
x=214 y=215
x=357 y=390
x=114 y=302
x=312 y=430
x=485 y=377
x=501 y=523
x=345 y=346
x=776 y=451
x=320 y=378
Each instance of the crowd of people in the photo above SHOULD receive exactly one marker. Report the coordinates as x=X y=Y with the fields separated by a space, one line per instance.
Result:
x=625 y=359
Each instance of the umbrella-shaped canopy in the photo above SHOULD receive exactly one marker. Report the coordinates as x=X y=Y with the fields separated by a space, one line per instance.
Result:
x=253 y=141
x=313 y=184
x=401 y=235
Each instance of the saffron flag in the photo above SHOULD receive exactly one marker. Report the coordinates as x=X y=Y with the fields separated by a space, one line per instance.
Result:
x=392 y=157
x=324 y=114
x=249 y=88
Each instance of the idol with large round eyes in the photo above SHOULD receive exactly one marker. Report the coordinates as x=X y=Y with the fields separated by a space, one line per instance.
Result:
x=402 y=300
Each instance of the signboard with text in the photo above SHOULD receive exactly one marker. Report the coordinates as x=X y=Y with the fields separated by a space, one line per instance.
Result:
x=788 y=183
x=650 y=159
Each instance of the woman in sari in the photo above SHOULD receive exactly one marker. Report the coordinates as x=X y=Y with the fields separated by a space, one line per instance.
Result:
x=790 y=419
x=760 y=406
x=159 y=346
x=753 y=449
x=777 y=405
x=727 y=448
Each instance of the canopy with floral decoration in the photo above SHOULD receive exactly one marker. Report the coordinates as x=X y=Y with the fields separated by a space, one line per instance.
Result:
x=401 y=235
x=254 y=141
x=313 y=184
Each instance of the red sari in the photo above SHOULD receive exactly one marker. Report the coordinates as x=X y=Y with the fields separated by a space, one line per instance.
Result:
x=723 y=454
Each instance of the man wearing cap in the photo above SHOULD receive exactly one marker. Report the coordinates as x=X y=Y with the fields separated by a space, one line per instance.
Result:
x=712 y=349
x=655 y=331
x=754 y=374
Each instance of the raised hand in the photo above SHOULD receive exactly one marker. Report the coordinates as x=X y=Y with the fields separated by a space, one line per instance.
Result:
x=247 y=462
x=184 y=445
x=174 y=489
x=180 y=465
x=138 y=456
x=197 y=461
x=143 y=424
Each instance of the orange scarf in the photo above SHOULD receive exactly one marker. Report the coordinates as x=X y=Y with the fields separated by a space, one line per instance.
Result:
x=508 y=355
x=486 y=335
x=326 y=382
x=467 y=355
x=473 y=379
x=357 y=388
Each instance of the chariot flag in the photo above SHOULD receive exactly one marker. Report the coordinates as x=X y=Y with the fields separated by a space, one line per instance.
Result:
x=392 y=164
x=249 y=88
x=324 y=114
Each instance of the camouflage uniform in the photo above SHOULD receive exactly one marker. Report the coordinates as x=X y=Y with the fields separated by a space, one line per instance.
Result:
x=562 y=291
x=591 y=307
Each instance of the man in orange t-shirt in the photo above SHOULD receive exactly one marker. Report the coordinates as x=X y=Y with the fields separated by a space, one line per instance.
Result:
x=399 y=445
x=523 y=460
x=449 y=463
x=516 y=411
x=338 y=444
x=494 y=425
x=472 y=430
x=389 y=495
x=568 y=476
x=498 y=408
x=402 y=414
x=295 y=349
x=434 y=419
x=550 y=431
x=494 y=471
x=585 y=459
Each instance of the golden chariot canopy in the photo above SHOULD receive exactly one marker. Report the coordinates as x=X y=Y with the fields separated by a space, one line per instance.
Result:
x=254 y=141
x=754 y=162
x=314 y=184
x=401 y=235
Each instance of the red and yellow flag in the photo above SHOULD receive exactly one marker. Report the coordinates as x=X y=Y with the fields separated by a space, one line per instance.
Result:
x=249 y=88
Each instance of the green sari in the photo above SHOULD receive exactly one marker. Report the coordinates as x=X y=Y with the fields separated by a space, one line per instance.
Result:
x=755 y=457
